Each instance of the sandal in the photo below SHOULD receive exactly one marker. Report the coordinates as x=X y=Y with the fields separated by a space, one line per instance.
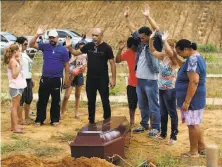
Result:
x=189 y=155
x=55 y=124
x=37 y=124
x=76 y=117
x=202 y=152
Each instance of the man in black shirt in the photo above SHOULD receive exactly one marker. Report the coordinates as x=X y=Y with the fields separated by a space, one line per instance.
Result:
x=98 y=53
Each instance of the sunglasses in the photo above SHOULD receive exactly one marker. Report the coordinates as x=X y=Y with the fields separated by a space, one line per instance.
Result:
x=25 y=44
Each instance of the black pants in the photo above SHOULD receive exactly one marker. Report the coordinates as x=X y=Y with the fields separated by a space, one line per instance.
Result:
x=92 y=85
x=168 y=106
x=47 y=87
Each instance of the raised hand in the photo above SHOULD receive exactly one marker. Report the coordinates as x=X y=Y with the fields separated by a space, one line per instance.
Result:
x=68 y=41
x=146 y=11
x=41 y=30
x=122 y=44
x=165 y=36
x=126 y=13
x=153 y=34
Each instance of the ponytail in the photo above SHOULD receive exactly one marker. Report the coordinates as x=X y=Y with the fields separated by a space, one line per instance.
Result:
x=184 y=43
x=9 y=53
x=193 y=45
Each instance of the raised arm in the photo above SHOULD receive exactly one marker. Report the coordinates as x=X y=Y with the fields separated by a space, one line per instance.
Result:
x=152 y=22
x=129 y=23
x=179 y=61
x=118 y=55
x=40 y=31
x=155 y=53
x=69 y=47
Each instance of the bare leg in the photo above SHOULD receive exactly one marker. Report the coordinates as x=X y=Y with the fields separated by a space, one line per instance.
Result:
x=27 y=110
x=14 y=114
x=20 y=115
x=132 y=116
x=201 y=143
x=77 y=100
x=68 y=91
x=194 y=134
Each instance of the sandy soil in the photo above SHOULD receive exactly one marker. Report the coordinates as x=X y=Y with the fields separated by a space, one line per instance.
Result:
x=141 y=147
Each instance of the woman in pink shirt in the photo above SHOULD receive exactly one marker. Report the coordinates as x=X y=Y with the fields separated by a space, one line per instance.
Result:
x=16 y=83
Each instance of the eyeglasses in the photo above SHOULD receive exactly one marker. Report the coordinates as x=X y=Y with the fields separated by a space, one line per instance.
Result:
x=25 y=44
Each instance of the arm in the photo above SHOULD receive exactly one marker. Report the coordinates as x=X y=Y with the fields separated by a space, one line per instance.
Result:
x=118 y=55
x=179 y=61
x=152 y=22
x=73 y=51
x=170 y=54
x=155 y=53
x=113 y=70
x=66 y=80
x=15 y=69
x=33 y=43
x=69 y=47
x=192 y=87
x=129 y=24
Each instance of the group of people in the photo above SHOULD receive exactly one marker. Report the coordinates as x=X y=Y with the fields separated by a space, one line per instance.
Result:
x=159 y=80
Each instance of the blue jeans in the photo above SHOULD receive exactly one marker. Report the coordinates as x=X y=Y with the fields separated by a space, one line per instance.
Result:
x=168 y=106
x=147 y=93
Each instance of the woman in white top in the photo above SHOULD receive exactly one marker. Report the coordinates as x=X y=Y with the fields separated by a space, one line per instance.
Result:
x=27 y=95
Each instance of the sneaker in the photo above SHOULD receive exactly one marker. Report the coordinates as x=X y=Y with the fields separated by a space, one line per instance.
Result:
x=171 y=142
x=153 y=133
x=140 y=129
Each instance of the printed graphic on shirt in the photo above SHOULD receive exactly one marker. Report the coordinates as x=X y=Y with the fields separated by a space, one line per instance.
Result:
x=167 y=75
x=192 y=64
x=78 y=62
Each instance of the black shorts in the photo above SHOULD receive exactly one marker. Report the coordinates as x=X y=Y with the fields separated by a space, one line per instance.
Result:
x=78 y=80
x=27 y=94
x=132 y=97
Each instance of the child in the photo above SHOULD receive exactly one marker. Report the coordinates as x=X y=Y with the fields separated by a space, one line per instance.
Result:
x=17 y=83
x=77 y=66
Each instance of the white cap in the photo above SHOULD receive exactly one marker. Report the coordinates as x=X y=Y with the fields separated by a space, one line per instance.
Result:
x=53 y=33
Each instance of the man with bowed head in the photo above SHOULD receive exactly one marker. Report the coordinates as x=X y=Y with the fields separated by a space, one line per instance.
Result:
x=55 y=59
x=98 y=53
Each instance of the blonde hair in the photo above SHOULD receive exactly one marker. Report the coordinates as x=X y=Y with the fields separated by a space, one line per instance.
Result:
x=172 y=42
x=9 y=52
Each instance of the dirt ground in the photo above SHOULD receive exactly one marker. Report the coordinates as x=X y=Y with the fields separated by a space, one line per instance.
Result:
x=141 y=147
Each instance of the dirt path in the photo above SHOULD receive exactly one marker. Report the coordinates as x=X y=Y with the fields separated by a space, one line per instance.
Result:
x=49 y=145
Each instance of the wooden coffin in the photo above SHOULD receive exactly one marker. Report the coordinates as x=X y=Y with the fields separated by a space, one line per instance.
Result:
x=102 y=139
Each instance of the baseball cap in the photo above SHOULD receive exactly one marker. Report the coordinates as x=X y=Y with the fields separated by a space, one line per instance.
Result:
x=53 y=33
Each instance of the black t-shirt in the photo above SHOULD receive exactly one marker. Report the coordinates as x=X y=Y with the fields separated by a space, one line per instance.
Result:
x=97 y=59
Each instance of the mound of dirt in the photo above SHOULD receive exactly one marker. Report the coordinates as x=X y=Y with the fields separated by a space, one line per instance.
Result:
x=198 y=21
x=31 y=161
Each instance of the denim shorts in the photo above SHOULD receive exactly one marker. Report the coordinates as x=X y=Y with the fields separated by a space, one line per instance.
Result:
x=78 y=80
x=15 y=92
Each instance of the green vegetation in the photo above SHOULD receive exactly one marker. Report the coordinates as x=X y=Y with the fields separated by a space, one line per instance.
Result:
x=207 y=48
x=47 y=151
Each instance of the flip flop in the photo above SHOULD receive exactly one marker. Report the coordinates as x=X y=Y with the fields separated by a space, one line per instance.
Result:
x=203 y=152
x=19 y=132
x=37 y=124
x=189 y=155
x=76 y=117
x=55 y=124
